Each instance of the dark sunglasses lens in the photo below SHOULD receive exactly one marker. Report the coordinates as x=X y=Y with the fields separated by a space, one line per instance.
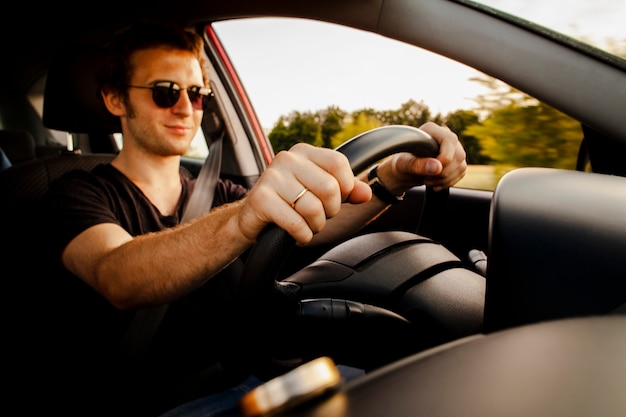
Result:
x=198 y=100
x=165 y=97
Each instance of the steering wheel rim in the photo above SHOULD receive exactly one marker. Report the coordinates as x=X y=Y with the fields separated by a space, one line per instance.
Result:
x=273 y=244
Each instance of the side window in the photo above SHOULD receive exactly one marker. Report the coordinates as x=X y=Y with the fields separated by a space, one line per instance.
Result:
x=323 y=84
x=198 y=148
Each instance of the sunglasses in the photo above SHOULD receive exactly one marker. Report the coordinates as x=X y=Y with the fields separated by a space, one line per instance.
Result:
x=166 y=94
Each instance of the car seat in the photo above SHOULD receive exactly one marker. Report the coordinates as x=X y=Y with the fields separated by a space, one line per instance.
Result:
x=21 y=186
x=70 y=105
x=18 y=145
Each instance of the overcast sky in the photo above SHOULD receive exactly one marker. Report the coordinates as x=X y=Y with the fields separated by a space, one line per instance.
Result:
x=263 y=57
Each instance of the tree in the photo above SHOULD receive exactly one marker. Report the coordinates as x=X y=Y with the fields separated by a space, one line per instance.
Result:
x=519 y=130
x=410 y=113
x=331 y=122
x=361 y=122
x=297 y=127
x=536 y=135
x=499 y=95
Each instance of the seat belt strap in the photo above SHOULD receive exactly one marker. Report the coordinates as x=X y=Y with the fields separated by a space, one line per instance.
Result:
x=201 y=198
x=146 y=321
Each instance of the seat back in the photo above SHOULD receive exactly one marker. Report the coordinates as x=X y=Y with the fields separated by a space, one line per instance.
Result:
x=25 y=183
x=70 y=96
x=21 y=186
x=25 y=280
x=71 y=105
x=18 y=145
x=557 y=246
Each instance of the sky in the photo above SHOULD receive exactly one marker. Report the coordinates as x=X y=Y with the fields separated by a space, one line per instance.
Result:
x=346 y=77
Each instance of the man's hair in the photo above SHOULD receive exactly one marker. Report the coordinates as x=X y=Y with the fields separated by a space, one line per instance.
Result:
x=117 y=70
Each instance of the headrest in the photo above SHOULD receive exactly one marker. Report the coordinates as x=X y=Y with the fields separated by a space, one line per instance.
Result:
x=18 y=145
x=71 y=97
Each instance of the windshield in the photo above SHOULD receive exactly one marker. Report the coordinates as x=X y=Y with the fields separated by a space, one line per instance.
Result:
x=600 y=23
x=302 y=73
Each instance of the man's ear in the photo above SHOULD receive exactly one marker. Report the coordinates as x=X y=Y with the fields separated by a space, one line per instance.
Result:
x=113 y=101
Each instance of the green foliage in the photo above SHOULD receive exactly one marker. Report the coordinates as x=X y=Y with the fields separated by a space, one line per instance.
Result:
x=360 y=122
x=410 y=113
x=297 y=127
x=332 y=126
x=536 y=135
x=331 y=121
x=507 y=129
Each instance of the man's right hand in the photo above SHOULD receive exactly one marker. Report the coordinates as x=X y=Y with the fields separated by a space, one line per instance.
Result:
x=326 y=176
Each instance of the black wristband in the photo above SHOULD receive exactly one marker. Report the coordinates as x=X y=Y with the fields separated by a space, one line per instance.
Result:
x=379 y=190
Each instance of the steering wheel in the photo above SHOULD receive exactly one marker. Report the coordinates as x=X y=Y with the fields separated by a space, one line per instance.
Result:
x=259 y=292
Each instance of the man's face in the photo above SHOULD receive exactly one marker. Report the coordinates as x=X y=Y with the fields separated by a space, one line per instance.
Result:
x=158 y=130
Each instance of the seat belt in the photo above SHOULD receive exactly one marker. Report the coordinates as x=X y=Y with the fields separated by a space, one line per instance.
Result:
x=146 y=321
x=201 y=198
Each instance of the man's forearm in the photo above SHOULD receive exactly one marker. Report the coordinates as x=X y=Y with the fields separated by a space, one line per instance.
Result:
x=161 y=267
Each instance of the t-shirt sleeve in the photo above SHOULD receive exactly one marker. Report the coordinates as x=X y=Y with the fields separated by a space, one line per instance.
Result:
x=227 y=191
x=74 y=203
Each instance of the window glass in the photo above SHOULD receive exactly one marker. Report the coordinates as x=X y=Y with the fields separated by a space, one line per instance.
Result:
x=599 y=23
x=198 y=148
x=323 y=84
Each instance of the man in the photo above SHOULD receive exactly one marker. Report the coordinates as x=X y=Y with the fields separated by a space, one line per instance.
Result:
x=117 y=229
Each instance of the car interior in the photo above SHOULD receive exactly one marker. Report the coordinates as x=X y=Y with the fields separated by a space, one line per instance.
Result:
x=403 y=299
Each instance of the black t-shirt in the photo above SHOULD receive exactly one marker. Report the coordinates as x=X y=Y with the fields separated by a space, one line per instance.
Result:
x=81 y=199
x=81 y=324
